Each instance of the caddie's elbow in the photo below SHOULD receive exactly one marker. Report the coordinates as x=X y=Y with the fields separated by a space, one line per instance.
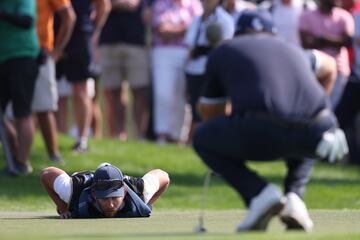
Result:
x=49 y=174
x=166 y=178
x=45 y=173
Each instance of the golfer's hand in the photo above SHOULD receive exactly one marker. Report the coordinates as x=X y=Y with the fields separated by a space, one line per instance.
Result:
x=65 y=215
x=332 y=146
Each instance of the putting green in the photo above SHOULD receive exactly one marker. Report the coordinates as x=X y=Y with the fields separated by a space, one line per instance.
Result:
x=172 y=224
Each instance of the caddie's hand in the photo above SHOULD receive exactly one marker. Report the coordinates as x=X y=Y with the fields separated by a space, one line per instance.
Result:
x=65 y=215
x=332 y=146
x=64 y=212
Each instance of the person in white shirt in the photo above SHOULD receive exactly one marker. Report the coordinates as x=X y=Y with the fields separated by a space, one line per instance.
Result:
x=200 y=47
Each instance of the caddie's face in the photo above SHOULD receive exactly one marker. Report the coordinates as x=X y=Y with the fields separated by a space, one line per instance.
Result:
x=110 y=206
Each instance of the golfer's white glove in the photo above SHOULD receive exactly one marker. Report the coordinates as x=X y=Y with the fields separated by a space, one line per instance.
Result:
x=332 y=146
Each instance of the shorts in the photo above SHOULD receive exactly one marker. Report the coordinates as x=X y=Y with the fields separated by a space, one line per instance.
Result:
x=45 y=93
x=63 y=186
x=65 y=88
x=17 y=84
x=77 y=68
x=122 y=62
x=76 y=63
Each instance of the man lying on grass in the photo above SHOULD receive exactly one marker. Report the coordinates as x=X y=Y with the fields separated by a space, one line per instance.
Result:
x=103 y=193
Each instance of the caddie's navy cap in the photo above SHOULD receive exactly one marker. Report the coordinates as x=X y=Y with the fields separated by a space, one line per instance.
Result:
x=108 y=181
x=254 y=21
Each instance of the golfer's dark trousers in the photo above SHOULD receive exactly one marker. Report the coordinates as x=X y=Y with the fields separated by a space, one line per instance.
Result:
x=347 y=111
x=225 y=143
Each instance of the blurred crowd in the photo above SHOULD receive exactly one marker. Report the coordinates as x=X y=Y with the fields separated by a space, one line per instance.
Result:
x=149 y=55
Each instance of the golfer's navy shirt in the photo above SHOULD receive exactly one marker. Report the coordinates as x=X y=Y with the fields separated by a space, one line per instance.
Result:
x=260 y=72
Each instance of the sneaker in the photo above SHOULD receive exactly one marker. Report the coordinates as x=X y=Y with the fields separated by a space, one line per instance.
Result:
x=295 y=214
x=24 y=169
x=56 y=158
x=79 y=148
x=263 y=207
x=10 y=172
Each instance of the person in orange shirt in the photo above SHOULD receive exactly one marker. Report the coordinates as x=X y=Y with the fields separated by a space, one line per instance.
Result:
x=45 y=101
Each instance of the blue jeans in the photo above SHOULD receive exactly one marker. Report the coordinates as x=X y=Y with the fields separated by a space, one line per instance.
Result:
x=226 y=143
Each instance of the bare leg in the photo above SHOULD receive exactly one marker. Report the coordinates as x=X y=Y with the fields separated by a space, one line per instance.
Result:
x=140 y=111
x=61 y=115
x=97 y=120
x=12 y=137
x=25 y=129
x=82 y=108
x=48 y=129
x=115 y=106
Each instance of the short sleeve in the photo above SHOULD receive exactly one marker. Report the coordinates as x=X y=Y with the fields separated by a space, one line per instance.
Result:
x=214 y=91
x=26 y=7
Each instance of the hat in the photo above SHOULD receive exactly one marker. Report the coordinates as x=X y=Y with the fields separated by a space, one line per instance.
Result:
x=108 y=181
x=255 y=21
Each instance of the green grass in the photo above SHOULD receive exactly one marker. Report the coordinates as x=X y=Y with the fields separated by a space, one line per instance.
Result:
x=331 y=186
x=332 y=195
x=172 y=224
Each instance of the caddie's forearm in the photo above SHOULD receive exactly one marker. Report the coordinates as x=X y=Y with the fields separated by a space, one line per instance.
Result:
x=163 y=180
x=60 y=204
x=47 y=178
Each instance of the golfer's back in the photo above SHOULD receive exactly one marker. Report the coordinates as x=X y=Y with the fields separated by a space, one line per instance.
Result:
x=262 y=72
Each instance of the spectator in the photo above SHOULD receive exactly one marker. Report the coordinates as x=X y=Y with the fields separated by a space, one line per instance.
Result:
x=170 y=21
x=330 y=29
x=352 y=6
x=125 y=58
x=286 y=15
x=235 y=7
x=45 y=100
x=78 y=58
x=19 y=50
x=200 y=46
x=349 y=106
x=324 y=67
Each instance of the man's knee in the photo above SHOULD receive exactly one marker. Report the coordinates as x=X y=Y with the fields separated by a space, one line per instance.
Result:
x=198 y=137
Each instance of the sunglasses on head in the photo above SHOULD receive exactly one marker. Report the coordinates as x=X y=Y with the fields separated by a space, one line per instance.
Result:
x=108 y=184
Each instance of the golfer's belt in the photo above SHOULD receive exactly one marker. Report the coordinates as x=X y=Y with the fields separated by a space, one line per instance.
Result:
x=279 y=121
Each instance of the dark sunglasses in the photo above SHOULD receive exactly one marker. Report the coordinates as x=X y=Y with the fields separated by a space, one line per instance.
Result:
x=108 y=184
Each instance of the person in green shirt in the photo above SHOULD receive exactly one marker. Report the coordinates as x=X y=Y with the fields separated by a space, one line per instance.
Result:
x=19 y=52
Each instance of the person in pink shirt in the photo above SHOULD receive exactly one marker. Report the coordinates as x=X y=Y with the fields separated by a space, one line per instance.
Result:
x=330 y=29
x=171 y=19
